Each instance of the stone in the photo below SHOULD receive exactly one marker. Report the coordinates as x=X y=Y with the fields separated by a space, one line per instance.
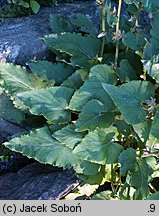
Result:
x=21 y=38
x=37 y=182
x=10 y=129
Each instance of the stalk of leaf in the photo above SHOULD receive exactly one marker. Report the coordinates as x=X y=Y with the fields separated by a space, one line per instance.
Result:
x=117 y=34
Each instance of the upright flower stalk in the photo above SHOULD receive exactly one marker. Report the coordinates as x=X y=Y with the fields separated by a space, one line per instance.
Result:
x=117 y=34
x=103 y=29
x=101 y=4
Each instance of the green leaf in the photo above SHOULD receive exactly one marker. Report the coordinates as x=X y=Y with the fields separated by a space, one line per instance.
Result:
x=91 y=89
x=131 y=41
x=111 y=19
x=92 y=116
x=51 y=103
x=126 y=71
x=155 y=125
x=154 y=196
x=82 y=49
x=59 y=25
x=87 y=168
x=133 y=57
x=69 y=136
x=150 y=5
x=152 y=67
x=48 y=71
x=152 y=47
x=129 y=99
x=104 y=73
x=1 y=90
x=97 y=147
x=93 y=179
x=154 y=30
x=143 y=130
x=8 y=111
x=128 y=161
x=105 y=195
x=16 y=79
x=123 y=127
x=131 y=1
x=41 y=146
x=142 y=175
x=148 y=132
x=82 y=23
x=24 y=4
x=74 y=81
x=34 y=6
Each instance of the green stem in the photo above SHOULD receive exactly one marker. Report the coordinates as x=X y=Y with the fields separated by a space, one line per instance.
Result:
x=103 y=30
x=128 y=193
x=119 y=184
x=117 y=34
x=112 y=178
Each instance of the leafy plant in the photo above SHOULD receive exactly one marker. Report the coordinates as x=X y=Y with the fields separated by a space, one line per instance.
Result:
x=99 y=98
x=34 y=5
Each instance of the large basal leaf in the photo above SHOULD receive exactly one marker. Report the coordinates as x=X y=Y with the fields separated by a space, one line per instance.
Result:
x=74 y=81
x=69 y=136
x=16 y=79
x=92 y=116
x=104 y=73
x=8 y=111
x=82 y=49
x=142 y=175
x=91 y=89
x=41 y=145
x=59 y=25
x=58 y=72
x=83 y=23
x=131 y=41
x=126 y=71
x=50 y=102
x=128 y=161
x=129 y=99
x=97 y=147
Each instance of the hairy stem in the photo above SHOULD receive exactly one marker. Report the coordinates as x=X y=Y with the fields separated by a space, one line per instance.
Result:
x=103 y=29
x=117 y=34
